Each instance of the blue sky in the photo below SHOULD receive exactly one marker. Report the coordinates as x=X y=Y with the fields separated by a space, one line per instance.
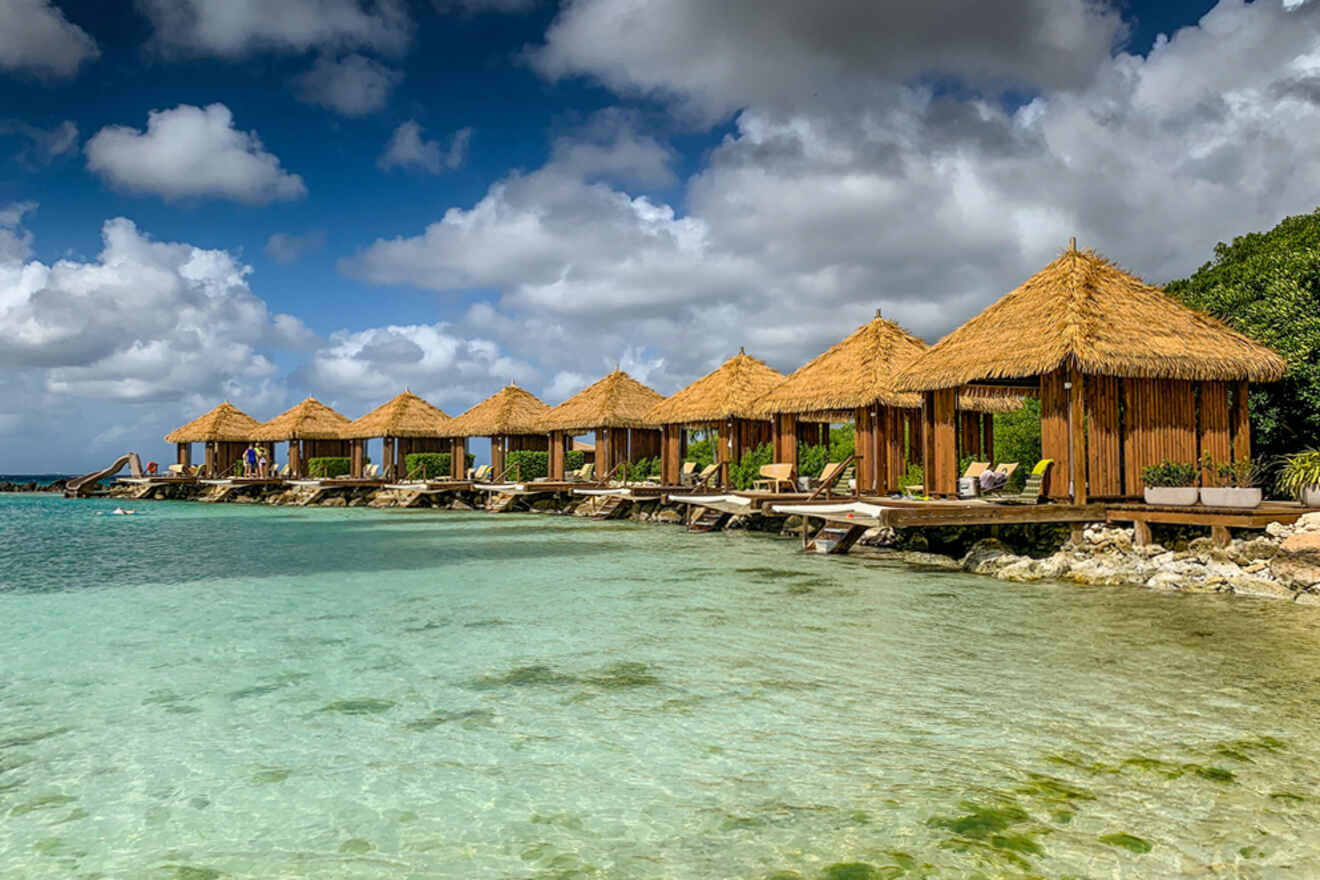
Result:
x=211 y=199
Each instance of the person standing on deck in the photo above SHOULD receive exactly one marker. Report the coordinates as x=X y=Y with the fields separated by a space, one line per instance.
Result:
x=263 y=461
x=249 y=461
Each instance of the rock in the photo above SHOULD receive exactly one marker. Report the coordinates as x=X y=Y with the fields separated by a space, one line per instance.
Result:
x=1298 y=571
x=1249 y=585
x=1302 y=542
x=1022 y=571
x=1308 y=523
x=1111 y=570
x=1108 y=538
x=1307 y=599
x=1255 y=567
x=987 y=556
x=929 y=560
x=670 y=516
x=1054 y=567
x=358 y=502
x=1279 y=530
x=1150 y=551
x=1166 y=582
x=1200 y=545
x=456 y=504
x=738 y=522
x=1223 y=569
x=336 y=501
x=792 y=523
x=1256 y=548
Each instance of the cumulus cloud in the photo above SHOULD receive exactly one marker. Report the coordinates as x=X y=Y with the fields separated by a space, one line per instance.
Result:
x=288 y=248
x=191 y=151
x=353 y=85
x=926 y=203
x=407 y=149
x=37 y=39
x=717 y=57
x=444 y=366
x=15 y=241
x=40 y=146
x=232 y=28
x=145 y=321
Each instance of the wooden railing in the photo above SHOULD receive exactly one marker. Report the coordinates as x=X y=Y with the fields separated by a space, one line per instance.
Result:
x=504 y=475
x=833 y=481
x=623 y=465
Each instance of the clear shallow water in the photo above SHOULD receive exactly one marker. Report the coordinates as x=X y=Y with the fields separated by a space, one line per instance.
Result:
x=239 y=692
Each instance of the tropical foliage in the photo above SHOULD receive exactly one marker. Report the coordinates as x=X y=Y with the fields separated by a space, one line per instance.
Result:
x=1170 y=474
x=429 y=465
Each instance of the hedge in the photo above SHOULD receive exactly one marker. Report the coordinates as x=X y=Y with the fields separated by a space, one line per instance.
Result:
x=430 y=465
x=328 y=467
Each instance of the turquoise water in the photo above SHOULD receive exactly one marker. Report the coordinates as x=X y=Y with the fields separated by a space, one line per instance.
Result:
x=238 y=692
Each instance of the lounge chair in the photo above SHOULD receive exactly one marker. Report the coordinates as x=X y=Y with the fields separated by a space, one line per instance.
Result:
x=974 y=469
x=371 y=471
x=688 y=474
x=1031 y=493
x=829 y=478
x=481 y=474
x=177 y=470
x=775 y=475
x=588 y=472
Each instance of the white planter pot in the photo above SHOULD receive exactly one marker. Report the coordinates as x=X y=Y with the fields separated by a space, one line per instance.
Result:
x=1245 y=498
x=1311 y=496
x=1174 y=496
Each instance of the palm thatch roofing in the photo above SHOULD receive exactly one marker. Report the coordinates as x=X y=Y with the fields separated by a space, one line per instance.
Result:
x=729 y=392
x=225 y=423
x=1084 y=310
x=616 y=401
x=406 y=415
x=309 y=420
x=511 y=410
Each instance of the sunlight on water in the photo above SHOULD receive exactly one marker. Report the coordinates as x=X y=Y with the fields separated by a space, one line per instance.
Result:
x=236 y=692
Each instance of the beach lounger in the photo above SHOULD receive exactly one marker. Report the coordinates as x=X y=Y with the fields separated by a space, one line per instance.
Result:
x=177 y=470
x=775 y=475
x=974 y=469
x=688 y=474
x=830 y=476
x=1031 y=493
x=706 y=474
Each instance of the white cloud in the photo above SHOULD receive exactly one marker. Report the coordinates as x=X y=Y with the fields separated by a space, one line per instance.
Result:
x=407 y=149
x=288 y=248
x=145 y=321
x=191 y=151
x=232 y=28
x=808 y=217
x=15 y=242
x=353 y=85
x=41 y=146
x=37 y=39
x=714 y=58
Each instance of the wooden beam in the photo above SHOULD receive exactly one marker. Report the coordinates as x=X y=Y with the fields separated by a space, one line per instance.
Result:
x=1241 y=423
x=496 y=455
x=555 y=458
x=184 y=454
x=1054 y=433
x=942 y=468
x=457 y=458
x=1077 y=433
x=864 y=473
x=355 y=464
x=671 y=454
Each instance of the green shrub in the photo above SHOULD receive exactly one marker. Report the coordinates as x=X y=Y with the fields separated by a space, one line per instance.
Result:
x=1301 y=471
x=531 y=465
x=812 y=460
x=749 y=469
x=328 y=467
x=431 y=465
x=1170 y=474
x=843 y=441
x=574 y=459
x=702 y=452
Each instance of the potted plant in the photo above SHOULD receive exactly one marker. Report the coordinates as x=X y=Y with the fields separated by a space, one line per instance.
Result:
x=1170 y=482
x=1235 y=483
x=1300 y=477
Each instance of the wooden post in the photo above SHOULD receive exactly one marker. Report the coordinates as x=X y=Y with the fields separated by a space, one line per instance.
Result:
x=184 y=455
x=555 y=467
x=786 y=450
x=400 y=458
x=618 y=440
x=355 y=460
x=604 y=459
x=457 y=458
x=1241 y=423
x=1140 y=533
x=1077 y=430
x=209 y=462
x=295 y=458
x=1054 y=420
x=496 y=456
x=1220 y=536
x=863 y=432
x=877 y=452
x=723 y=451
x=988 y=436
x=387 y=458
x=671 y=454
x=942 y=444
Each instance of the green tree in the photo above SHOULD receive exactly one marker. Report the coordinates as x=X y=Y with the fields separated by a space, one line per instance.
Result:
x=1017 y=435
x=1267 y=285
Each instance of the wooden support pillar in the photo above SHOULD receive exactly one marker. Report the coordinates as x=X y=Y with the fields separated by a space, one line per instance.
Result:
x=1141 y=533
x=458 y=458
x=895 y=445
x=864 y=467
x=496 y=456
x=295 y=458
x=941 y=429
x=724 y=452
x=1077 y=433
x=184 y=455
x=355 y=464
x=387 y=458
x=557 y=452
x=1241 y=423
x=877 y=452
x=604 y=460
x=988 y=436
x=209 y=461
x=401 y=449
x=1054 y=442
x=618 y=441
x=786 y=438
x=671 y=454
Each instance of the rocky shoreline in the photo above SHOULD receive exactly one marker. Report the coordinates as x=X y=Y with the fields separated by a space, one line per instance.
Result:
x=1283 y=562
x=32 y=486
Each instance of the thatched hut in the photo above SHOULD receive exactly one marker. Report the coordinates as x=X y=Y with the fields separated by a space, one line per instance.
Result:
x=615 y=410
x=1127 y=376
x=724 y=400
x=405 y=424
x=226 y=432
x=511 y=418
x=854 y=381
x=312 y=430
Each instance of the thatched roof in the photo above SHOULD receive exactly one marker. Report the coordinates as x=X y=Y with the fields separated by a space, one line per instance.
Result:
x=406 y=415
x=730 y=392
x=617 y=401
x=224 y=423
x=1083 y=309
x=858 y=371
x=309 y=420
x=510 y=410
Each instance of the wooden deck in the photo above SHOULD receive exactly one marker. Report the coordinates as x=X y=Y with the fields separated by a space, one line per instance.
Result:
x=873 y=512
x=1221 y=520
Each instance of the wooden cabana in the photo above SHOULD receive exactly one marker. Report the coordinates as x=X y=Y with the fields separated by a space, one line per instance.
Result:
x=226 y=432
x=725 y=400
x=405 y=424
x=511 y=418
x=312 y=430
x=1127 y=376
x=614 y=409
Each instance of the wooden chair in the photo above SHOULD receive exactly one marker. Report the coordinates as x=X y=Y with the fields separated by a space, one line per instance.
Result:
x=775 y=475
x=688 y=475
x=707 y=472
x=177 y=470
x=974 y=469
x=1035 y=488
